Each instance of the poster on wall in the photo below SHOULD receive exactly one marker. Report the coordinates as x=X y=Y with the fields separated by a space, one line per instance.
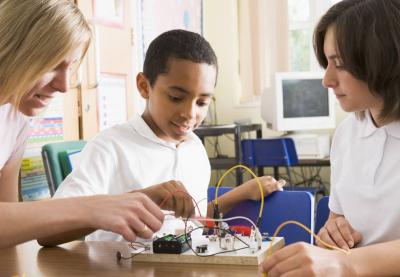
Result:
x=111 y=97
x=160 y=16
x=45 y=128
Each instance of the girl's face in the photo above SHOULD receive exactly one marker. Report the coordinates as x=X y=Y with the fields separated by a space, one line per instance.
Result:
x=44 y=90
x=352 y=94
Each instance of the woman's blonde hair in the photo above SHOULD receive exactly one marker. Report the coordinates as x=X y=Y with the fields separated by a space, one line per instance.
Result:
x=35 y=36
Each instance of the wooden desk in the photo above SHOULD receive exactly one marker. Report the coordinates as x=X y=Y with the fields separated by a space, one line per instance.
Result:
x=98 y=259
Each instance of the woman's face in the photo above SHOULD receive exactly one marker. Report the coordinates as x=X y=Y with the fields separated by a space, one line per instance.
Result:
x=352 y=94
x=45 y=89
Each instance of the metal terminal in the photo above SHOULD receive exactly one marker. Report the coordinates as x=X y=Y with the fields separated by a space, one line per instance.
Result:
x=229 y=241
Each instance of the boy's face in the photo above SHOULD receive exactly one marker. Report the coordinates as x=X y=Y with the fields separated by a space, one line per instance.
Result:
x=179 y=99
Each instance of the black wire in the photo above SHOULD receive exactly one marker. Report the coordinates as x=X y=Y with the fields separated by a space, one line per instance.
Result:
x=120 y=257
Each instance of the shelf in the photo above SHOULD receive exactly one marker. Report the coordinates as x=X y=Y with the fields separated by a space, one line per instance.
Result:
x=236 y=131
x=222 y=163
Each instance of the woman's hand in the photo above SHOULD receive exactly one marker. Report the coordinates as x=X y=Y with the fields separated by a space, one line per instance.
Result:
x=129 y=214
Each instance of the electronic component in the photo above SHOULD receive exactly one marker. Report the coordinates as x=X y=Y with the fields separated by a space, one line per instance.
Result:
x=171 y=244
x=229 y=240
x=201 y=248
x=253 y=241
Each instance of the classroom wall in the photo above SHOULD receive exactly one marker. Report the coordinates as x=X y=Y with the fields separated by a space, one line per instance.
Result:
x=221 y=30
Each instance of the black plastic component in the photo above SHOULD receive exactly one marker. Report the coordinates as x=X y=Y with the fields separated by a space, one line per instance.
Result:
x=171 y=244
x=201 y=248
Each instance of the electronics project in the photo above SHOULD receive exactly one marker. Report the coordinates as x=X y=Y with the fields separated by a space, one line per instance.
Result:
x=219 y=247
x=218 y=242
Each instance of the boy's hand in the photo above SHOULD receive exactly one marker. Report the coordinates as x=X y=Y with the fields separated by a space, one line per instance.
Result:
x=338 y=231
x=268 y=183
x=172 y=196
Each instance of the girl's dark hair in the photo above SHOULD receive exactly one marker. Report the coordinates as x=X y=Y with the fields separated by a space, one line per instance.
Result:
x=368 y=43
x=179 y=44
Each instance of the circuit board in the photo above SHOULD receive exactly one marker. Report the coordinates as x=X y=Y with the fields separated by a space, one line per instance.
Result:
x=237 y=257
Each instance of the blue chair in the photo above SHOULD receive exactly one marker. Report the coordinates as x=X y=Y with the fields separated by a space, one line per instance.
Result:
x=278 y=208
x=274 y=153
x=322 y=213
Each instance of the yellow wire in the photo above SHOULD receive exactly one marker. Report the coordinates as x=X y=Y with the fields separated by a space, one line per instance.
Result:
x=269 y=252
x=254 y=175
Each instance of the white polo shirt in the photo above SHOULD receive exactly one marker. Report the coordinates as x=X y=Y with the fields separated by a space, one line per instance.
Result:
x=130 y=156
x=13 y=134
x=365 y=178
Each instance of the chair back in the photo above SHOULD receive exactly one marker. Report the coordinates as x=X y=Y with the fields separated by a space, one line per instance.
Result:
x=322 y=213
x=269 y=152
x=278 y=207
x=56 y=162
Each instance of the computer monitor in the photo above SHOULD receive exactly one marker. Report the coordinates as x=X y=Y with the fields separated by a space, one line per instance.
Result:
x=298 y=101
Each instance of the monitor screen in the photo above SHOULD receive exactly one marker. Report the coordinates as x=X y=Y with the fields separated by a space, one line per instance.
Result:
x=304 y=98
x=298 y=101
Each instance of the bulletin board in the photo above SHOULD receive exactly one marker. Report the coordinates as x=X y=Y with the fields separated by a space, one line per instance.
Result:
x=111 y=96
x=45 y=128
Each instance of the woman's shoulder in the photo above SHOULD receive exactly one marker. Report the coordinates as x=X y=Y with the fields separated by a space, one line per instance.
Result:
x=12 y=117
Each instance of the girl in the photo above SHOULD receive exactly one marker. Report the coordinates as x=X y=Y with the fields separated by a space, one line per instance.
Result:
x=358 y=44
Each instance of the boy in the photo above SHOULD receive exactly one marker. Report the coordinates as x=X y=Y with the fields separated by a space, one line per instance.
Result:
x=159 y=147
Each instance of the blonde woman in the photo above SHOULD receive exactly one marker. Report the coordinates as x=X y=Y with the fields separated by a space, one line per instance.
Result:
x=41 y=42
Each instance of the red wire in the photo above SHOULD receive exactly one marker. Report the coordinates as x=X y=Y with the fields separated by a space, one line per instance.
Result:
x=168 y=197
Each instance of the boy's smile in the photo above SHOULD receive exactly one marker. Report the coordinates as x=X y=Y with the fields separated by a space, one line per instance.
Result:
x=179 y=99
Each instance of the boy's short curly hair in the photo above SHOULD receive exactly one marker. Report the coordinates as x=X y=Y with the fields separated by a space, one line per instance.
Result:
x=179 y=44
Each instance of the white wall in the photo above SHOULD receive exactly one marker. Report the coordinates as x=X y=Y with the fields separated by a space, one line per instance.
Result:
x=221 y=30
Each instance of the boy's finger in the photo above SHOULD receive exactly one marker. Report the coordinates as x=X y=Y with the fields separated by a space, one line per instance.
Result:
x=188 y=211
x=281 y=182
x=179 y=207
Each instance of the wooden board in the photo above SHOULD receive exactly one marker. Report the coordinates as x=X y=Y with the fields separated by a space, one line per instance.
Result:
x=240 y=257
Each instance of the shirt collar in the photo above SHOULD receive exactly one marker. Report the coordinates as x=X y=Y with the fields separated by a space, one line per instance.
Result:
x=144 y=130
x=393 y=129
x=369 y=128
